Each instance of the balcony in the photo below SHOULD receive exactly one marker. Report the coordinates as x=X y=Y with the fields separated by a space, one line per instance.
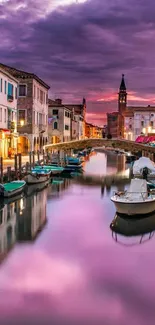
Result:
x=10 y=98
x=26 y=128
x=11 y=126
x=42 y=128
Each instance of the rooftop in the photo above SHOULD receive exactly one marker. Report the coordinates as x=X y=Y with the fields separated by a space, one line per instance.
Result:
x=23 y=74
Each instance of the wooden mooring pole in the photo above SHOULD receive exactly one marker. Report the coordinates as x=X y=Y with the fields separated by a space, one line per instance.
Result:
x=20 y=163
x=16 y=165
x=30 y=160
x=33 y=159
x=9 y=173
x=1 y=168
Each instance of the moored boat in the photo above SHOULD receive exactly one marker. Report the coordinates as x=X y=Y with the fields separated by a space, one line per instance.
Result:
x=53 y=169
x=37 y=176
x=136 y=201
x=12 y=189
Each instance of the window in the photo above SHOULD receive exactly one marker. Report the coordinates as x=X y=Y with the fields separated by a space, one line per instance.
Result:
x=5 y=115
x=16 y=93
x=0 y=114
x=1 y=85
x=130 y=126
x=142 y=123
x=5 y=87
x=34 y=117
x=55 y=111
x=22 y=90
x=38 y=93
x=22 y=117
x=41 y=96
x=46 y=98
x=66 y=114
x=55 y=125
x=66 y=127
x=152 y=115
x=10 y=89
x=151 y=124
x=34 y=91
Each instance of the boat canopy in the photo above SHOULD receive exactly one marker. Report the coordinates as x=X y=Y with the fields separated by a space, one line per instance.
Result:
x=141 y=163
x=138 y=189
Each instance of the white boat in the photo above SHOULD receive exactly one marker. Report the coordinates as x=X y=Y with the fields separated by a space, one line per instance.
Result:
x=37 y=176
x=136 y=201
x=141 y=164
x=12 y=189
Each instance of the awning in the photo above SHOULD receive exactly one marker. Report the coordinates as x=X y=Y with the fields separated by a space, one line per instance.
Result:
x=145 y=139
x=4 y=130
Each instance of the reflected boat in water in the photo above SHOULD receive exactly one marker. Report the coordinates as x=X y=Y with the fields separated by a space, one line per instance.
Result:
x=144 y=228
x=56 y=188
x=30 y=190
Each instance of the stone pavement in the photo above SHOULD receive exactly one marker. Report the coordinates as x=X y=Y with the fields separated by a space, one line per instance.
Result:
x=25 y=159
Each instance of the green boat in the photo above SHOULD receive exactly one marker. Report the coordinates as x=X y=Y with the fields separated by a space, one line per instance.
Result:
x=12 y=188
x=53 y=169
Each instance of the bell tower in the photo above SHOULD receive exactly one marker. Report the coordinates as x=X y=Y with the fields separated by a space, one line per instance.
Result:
x=122 y=97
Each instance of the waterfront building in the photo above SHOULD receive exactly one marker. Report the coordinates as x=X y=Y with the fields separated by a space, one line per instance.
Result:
x=59 y=121
x=66 y=121
x=130 y=121
x=8 y=114
x=80 y=113
x=92 y=131
x=32 y=108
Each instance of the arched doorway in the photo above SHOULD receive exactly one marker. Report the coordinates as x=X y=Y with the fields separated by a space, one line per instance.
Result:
x=23 y=145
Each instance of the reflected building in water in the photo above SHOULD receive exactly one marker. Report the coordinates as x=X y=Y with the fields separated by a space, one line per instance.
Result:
x=8 y=220
x=58 y=186
x=31 y=216
x=21 y=220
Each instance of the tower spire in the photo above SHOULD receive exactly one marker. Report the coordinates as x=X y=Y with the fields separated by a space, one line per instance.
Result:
x=122 y=85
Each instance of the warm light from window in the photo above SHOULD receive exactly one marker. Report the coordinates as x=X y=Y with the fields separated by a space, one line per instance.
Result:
x=144 y=130
x=149 y=129
x=21 y=122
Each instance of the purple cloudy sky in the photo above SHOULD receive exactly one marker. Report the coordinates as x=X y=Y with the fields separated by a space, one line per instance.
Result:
x=82 y=47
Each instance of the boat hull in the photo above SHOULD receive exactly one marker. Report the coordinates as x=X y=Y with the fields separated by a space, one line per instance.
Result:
x=131 y=209
x=36 y=179
x=9 y=194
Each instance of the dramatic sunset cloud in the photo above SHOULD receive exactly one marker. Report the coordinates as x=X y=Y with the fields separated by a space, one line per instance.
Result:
x=81 y=48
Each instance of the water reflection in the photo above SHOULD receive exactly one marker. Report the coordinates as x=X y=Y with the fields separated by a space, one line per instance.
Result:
x=31 y=216
x=21 y=219
x=58 y=186
x=130 y=231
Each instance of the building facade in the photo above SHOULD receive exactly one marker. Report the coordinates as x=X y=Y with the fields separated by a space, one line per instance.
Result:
x=59 y=122
x=130 y=121
x=8 y=114
x=32 y=105
x=79 y=111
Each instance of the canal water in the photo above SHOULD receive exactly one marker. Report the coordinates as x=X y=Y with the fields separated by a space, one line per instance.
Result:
x=67 y=258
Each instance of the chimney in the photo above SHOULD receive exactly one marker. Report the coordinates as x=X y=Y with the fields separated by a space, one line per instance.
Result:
x=58 y=101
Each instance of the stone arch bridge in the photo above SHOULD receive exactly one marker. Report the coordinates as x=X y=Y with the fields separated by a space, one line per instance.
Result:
x=92 y=143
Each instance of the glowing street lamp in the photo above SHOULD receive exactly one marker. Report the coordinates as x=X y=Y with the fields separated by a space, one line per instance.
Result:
x=21 y=122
